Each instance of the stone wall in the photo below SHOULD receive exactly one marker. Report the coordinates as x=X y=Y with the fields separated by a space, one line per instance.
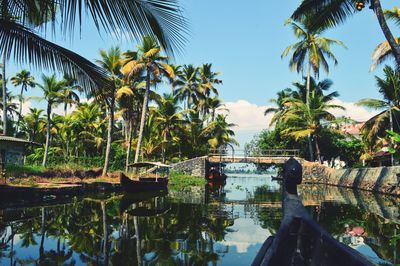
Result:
x=193 y=167
x=378 y=179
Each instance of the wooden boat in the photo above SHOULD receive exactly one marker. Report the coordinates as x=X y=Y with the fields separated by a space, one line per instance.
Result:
x=153 y=179
x=216 y=172
x=300 y=240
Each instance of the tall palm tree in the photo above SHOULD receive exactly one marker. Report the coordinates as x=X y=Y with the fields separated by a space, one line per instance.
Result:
x=389 y=88
x=221 y=133
x=280 y=108
x=162 y=20
x=33 y=121
x=25 y=80
x=169 y=119
x=70 y=92
x=311 y=49
x=111 y=62
x=305 y=120
x=330 y=13
x=52 y=93
x=208 y=79
x=148 y=59
x=187 y=86
x=4 y=94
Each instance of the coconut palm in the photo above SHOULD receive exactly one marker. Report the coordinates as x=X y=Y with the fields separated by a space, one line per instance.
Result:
x=4 y=94
x=33 y=122
x=329 y=13
x=382 y=53
x=52 y=93
x=148 y=59
x=389 y=88
x=111 y=62
x=169 y=119
x=25 y=80
x=187 y=86
x=70 y=92
x=305 y=120
x=280 y=108
x=162 y=20
x=311 y=49
x=221 y=133
x=208 y=80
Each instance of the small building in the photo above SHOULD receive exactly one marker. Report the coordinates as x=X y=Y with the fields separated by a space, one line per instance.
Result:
x=12 y=150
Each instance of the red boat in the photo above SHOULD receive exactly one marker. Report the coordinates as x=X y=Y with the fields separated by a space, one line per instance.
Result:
x=216 y=172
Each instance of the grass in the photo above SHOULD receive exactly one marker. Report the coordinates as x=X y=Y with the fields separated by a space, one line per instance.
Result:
x=21 y=170
x=29 y=182
x=179 y=181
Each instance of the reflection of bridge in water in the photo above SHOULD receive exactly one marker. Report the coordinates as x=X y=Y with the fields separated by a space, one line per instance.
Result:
x=273 y=156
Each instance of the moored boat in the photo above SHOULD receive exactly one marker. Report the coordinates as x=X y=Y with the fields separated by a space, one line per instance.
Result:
x=300 y=240
x=153 y=179
x=216 y=172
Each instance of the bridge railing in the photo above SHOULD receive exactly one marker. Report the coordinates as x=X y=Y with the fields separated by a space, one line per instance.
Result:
x=258 y=153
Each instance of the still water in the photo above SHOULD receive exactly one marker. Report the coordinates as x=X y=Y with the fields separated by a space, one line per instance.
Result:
x=220 y=225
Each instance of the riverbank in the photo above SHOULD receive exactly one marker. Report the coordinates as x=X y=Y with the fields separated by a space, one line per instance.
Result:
x=378 y=179
x=35 y=183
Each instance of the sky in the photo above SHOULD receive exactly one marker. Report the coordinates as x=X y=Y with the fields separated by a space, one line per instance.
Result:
x=244 y=41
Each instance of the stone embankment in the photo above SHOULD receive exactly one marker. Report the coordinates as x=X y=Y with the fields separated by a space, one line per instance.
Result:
x=193 y=167
x=378 y=179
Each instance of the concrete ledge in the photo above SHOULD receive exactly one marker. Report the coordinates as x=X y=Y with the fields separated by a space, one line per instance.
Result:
x=379 y=179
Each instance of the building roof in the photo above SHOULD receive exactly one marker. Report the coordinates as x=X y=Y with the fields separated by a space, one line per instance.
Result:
x=352 y=129
x=22 y=141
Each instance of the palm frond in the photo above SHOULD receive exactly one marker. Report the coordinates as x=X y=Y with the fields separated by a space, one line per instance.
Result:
x=27 y=47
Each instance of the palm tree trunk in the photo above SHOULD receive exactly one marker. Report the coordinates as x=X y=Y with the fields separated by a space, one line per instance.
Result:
x=20 y=108
x=386 y=31
x=109 y=134
x=391 y=129
x=317 y=149
x=128 y=151
x=41 y=248
x=46 y=148
x=143 y=118
x=4 y=88
x=310 y=147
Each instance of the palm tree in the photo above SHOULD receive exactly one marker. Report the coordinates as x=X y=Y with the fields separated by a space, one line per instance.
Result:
x=330 y=13
x=148 y=59
x=52 y=93
x=169 y=119
x=221 y=133
x=4 y=94
x=187 y=86
x=25 y=80
x=305 y=120
x=208 y=79
x=280 y=108
x=312 y=49
x=70 y=95
x=33 y=121
x=382 y=53
x=215 y=104
x=111 y=62
x=389 y=88
x=161 y=20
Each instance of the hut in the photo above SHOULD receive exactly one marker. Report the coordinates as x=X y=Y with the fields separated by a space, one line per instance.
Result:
x=12 y=150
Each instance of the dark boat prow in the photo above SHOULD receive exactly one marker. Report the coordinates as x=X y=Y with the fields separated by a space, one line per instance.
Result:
x=300 y=240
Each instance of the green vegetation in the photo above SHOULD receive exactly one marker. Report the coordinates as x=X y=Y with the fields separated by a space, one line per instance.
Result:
x=179 y=181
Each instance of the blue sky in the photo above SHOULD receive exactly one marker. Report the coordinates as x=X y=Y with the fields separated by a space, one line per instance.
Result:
x=244 y=41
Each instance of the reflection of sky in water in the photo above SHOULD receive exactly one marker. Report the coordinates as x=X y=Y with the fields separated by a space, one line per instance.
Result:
x=240 y=187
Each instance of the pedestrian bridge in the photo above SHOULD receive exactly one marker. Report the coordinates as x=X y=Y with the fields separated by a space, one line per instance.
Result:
x=276 y=156
x=199 y=166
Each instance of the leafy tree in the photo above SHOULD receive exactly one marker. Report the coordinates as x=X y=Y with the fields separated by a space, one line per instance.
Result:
x=25 y=80
x=52 y=93
x=329 y=13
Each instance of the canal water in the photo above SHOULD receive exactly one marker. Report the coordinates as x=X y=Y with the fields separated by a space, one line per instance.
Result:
x=223 y=224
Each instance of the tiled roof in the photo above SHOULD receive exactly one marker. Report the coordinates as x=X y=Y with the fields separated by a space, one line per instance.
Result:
x=12 y=139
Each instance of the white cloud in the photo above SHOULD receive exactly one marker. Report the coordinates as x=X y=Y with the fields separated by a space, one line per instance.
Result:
x=245 y=234
x=250 y=118
x=353 y=111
